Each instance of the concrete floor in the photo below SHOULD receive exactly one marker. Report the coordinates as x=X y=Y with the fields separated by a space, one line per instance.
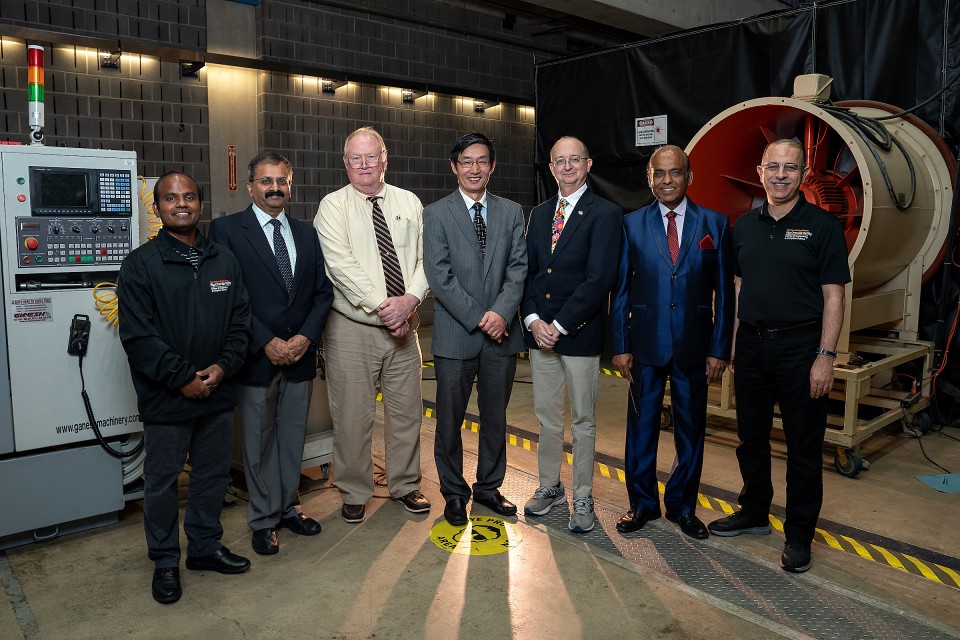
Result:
x=386 y=578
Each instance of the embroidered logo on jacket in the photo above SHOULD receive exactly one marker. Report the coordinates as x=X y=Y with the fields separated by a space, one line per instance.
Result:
x=219 y=286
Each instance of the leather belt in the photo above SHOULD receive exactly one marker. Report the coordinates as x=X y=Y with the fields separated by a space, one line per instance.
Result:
x=774 y=333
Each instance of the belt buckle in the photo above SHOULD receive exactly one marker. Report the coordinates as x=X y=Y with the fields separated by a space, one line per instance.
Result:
x=770 y=333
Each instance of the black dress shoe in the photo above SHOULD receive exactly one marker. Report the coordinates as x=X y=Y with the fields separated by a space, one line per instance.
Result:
x=221 y=561
x=498 y=504
x=353 y=513
x=300 y=525
x=456 y=512
x=691 y=525
x=264 y=541
x=166 y=585
x=634 y=520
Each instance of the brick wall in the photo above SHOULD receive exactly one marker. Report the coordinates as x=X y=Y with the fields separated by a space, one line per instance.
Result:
x=180 y=23
x=143 y=107
x=424 y=42
x=298 y=119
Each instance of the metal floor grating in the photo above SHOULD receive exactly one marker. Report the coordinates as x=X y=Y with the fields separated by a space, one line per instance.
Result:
x=791 y=605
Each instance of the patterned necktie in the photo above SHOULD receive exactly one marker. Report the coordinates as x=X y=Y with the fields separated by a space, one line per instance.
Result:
x=283 y=257
x=480 y=226
x=558 y=223
x=392 y=274
x=673 y=241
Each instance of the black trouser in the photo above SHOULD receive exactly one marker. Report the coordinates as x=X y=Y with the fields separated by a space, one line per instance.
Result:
x=778 y=371
x=208 y=440
x=494 y=374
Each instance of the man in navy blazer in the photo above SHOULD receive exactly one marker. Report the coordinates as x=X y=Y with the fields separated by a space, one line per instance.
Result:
x=572 y=244
x=672 y=316
x=290 y=295
x=475 y=259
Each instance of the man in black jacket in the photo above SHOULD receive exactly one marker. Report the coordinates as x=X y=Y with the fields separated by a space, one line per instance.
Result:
x=185 y=325
x=290 y=297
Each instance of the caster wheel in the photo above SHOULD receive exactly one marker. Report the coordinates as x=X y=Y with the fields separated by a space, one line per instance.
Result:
x=848 y=463
x=666 y=418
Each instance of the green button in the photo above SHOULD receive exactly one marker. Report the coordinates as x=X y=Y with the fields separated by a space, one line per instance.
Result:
x=20 y=180
x=86 y=258
x=39 y=258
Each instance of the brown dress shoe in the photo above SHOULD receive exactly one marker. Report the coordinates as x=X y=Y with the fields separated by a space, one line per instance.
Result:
x=353 y=513
x=414 y=502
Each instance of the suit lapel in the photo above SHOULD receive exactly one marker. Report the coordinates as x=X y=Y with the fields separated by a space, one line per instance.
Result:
x=495 y=222
x=301 y=240
x=574 y=219
x=690 y=227
x=658 y=233
x=258 y=242
x=461 y=216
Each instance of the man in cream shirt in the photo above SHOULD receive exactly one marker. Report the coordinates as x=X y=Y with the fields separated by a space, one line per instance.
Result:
x=371 y=234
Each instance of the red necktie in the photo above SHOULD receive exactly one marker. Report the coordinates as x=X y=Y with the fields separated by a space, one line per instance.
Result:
x=673 y=242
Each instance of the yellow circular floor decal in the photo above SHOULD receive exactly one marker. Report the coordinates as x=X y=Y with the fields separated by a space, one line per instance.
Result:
x=481 y=536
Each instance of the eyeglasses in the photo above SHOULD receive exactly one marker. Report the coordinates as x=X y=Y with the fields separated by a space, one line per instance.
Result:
x=573 y=161
x=676 y=174
x=482 y=163
x=788 y=167
x=267 y=181
x=358 y=161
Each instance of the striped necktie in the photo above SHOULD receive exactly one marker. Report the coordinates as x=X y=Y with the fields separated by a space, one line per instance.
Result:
x=673 y=241
x=392 y=274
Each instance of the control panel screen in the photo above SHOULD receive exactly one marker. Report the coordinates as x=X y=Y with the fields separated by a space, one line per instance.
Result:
x=63 y=190
x=58 y=191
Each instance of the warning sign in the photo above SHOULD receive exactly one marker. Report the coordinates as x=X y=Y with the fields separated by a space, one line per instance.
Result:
x=32 y=309
x=481 y=536
x=651 y=131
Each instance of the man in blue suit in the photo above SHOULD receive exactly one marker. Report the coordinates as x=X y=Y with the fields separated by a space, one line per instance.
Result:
x=290 y=297
x=672 y=316
x=475 y=259
x=572 y=241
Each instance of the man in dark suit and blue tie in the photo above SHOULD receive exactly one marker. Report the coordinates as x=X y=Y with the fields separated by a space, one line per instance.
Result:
x=475 y=259
x=672 y=316
x=290 y=295
x=572 y=243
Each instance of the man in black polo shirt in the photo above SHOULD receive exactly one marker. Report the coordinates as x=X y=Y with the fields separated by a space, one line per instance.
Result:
x=790 y=265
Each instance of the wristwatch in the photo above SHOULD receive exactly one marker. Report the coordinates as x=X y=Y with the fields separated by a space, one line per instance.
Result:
x=822 y=351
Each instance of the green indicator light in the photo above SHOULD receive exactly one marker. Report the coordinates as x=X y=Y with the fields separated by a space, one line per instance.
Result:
x=35 y=93
x=20 y=180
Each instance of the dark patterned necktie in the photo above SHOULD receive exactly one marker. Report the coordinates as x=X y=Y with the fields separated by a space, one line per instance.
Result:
x=392 y=274
x=480 y=226
x=283 y=257
x=673 y=241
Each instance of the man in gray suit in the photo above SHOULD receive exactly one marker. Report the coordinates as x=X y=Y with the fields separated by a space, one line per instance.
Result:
x=475 y=260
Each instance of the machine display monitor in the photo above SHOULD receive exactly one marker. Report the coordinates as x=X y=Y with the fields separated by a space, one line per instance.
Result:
x=58 y=191
x=63 y=190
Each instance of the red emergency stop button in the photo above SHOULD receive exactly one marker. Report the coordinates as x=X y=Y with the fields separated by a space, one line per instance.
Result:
x=31 y=243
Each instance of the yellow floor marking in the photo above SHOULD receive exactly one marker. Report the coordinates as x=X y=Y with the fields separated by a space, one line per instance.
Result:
x=950 y=572
x=830 y=540
x=727 y=509
x=891 y=559
x=604 y=470
x=859 y=548
x=776 y=522
x=924 y=569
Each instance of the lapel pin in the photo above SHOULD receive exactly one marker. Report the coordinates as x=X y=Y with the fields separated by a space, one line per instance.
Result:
x=580 y=212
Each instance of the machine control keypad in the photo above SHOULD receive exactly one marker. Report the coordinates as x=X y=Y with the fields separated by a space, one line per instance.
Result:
x=60 y=242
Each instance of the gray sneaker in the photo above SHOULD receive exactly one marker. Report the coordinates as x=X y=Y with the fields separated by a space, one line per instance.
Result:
x=581 y=520
x=544 y=499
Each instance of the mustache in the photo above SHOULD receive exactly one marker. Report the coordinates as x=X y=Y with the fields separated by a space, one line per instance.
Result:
x=270 y=194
